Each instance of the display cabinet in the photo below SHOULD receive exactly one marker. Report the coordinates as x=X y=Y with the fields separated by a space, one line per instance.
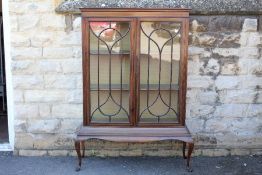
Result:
x=134 y=76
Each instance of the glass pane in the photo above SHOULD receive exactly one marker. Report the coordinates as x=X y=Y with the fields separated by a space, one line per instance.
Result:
x=109 y=107
x=109 y=71
x=108 y=34
x=159 y=71
x=166 y=114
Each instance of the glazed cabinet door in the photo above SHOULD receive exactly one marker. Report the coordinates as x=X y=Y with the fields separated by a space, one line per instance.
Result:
x=108 y=70
x=161 y=67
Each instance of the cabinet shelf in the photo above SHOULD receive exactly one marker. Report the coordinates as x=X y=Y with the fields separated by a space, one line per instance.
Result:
x=106 y=53
x=143 y=87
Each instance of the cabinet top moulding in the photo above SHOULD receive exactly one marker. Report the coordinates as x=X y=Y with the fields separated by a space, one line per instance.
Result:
x=135 y=12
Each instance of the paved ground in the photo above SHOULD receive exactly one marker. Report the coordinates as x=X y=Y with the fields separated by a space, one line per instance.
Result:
x=233 y=165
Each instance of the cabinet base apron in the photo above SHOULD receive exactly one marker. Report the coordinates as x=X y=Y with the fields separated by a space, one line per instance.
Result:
x=134 y=135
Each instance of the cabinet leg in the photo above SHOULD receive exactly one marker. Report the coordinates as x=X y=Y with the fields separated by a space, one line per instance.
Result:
x=184 y=150
x=83 y=148
x=78 y=151
x=190 y=150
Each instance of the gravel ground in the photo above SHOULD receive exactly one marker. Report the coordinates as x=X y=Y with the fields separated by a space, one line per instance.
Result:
x=231 y=165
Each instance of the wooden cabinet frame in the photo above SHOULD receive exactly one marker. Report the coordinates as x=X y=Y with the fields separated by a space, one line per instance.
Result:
x=134 y=131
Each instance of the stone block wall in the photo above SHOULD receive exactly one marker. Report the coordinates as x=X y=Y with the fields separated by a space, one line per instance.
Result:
x=224 y=98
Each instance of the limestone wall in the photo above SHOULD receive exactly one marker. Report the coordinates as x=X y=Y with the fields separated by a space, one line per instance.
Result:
x=224 y=98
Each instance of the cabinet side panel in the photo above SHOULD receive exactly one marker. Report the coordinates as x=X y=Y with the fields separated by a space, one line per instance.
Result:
x=183 y=71
x=86 y=73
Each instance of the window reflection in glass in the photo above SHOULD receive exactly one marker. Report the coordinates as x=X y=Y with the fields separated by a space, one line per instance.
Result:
x=110 y=36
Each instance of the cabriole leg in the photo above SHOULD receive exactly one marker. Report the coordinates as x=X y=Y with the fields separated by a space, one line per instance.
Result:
x=190 y=150
x=184 y=150
x=83 y=148
x=78 y=151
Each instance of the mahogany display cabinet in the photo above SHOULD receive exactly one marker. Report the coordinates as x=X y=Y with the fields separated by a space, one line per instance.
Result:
x=134 y=76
